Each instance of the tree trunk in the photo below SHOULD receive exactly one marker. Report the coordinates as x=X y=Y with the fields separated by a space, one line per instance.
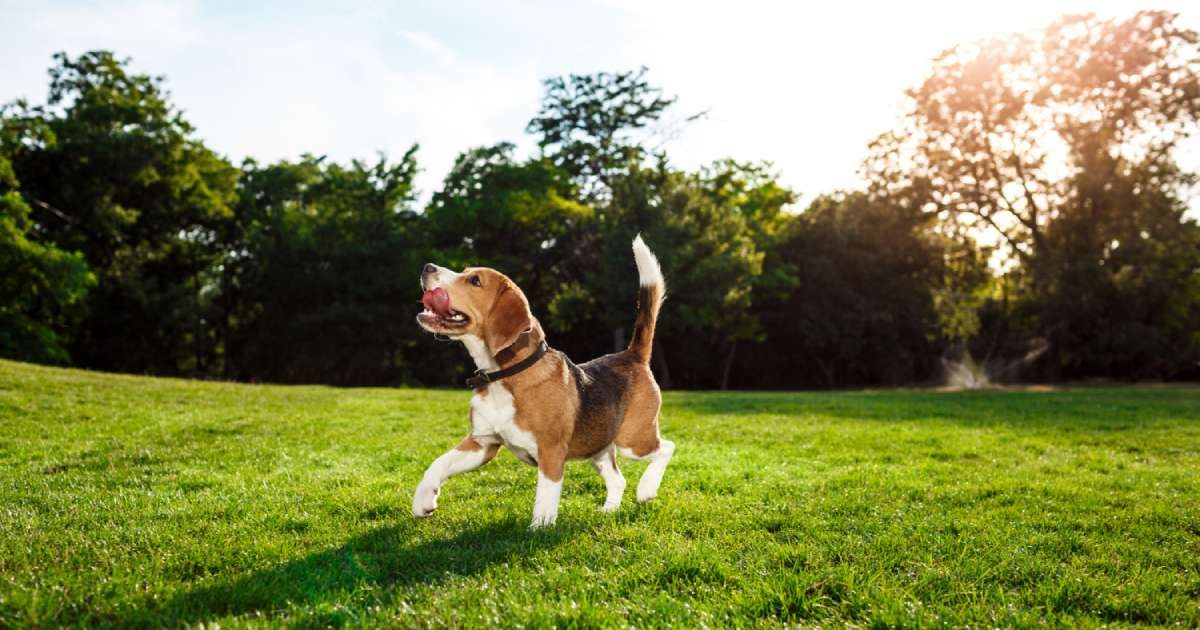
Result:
x=618 y=339
x=728 y=366
x=660 y=361
x=200 y=367
x=827 y=369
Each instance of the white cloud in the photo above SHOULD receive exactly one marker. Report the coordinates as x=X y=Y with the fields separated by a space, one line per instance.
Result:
x=430 y=44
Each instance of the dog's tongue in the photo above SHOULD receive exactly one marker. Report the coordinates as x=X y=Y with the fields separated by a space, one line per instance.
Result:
x=438 y=301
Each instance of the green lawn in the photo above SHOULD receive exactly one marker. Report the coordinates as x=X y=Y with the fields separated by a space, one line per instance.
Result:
x=127 y=500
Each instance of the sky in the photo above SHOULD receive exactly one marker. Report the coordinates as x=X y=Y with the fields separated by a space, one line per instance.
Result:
x=803 y=87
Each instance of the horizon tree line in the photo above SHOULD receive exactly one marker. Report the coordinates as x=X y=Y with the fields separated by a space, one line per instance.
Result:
x=1030 y=197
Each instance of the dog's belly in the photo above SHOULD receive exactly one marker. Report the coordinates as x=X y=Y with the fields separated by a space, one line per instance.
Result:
x=492 y=421
x=522 y=454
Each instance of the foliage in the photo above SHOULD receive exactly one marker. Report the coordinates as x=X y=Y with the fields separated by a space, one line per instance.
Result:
x=1123 y=299
x=707 y=252
x=41 y=284
x=588 y=124
x=1060 y=144
x=118 y=177
x=327 y=255
x=147 y=502
x=521 y=217
x=862 y=309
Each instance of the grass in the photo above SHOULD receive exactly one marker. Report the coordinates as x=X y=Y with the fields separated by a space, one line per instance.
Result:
x=139 y=501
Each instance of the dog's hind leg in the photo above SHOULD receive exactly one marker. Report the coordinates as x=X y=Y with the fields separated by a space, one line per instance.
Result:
x=605 y=463
x=638 y=437
x=468 y=455
x=659 y=457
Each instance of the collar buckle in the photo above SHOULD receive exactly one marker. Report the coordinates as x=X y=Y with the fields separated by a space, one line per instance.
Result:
x=478 y=380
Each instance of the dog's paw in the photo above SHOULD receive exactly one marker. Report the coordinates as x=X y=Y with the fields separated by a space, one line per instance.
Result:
x=610 y=507
x=424 y=501
x=541 y=521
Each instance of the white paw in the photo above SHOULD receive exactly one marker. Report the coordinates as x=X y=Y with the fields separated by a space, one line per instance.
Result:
x=543 y=520
x=645 y=495
x=610 y=506
x=424 y=500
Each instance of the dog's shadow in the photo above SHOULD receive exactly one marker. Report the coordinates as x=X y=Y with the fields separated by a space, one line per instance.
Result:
x=383 y=560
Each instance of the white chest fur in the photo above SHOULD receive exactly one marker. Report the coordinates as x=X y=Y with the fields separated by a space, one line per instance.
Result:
x=492 y=416
x=493 y=413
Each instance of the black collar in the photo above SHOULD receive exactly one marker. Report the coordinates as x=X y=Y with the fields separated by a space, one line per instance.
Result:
x=482 y=378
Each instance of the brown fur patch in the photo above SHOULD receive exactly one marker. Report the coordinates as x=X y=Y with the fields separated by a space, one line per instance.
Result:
x=507 y=319
x=469 y=444
x=649 y=302
x=639 y=427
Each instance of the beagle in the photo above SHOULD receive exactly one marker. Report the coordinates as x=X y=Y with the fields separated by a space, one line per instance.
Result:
x=537 y=403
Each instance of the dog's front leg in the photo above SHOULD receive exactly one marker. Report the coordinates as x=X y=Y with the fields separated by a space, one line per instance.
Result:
x=549 y=487
x=468 y=455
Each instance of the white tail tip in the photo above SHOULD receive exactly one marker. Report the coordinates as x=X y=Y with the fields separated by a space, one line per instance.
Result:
x=649 y=273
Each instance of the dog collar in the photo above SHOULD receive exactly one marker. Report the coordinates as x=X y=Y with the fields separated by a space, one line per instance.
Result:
x=482 y=378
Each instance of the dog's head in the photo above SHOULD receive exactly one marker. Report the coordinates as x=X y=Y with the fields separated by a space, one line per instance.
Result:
x=476 y=301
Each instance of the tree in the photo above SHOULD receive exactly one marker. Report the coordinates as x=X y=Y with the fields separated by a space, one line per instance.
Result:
x=708 y=255
x=519 y=216
x=1061 y=143
x=592 y=127
x=525 y=218
x=862 y=310
x=319 y=285
x=40 y=284
x=1123 y=300
x=119 y=177
x=588 y=124
x=755 y=192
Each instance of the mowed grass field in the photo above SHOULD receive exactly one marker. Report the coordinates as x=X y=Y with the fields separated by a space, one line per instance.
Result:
x=139 y=501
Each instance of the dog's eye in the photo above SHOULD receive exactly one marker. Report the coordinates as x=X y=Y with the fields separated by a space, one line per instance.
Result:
x=474 y=280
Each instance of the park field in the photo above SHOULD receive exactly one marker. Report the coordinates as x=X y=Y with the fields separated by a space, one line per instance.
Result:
x=141 y=501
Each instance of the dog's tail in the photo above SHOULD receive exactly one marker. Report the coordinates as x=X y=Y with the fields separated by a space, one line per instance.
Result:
x=650 y=297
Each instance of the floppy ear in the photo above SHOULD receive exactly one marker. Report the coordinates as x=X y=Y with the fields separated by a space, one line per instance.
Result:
x=508 y=318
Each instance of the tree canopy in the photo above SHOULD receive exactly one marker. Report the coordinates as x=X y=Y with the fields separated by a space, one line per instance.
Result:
x=1060 y=144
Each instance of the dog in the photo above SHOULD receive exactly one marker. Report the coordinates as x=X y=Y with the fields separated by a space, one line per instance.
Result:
x=534 y=401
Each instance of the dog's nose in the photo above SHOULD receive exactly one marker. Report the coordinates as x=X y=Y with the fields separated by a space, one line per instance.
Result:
x=429 y=268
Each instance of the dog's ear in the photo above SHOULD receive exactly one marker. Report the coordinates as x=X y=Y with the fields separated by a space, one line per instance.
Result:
x=508 y=318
